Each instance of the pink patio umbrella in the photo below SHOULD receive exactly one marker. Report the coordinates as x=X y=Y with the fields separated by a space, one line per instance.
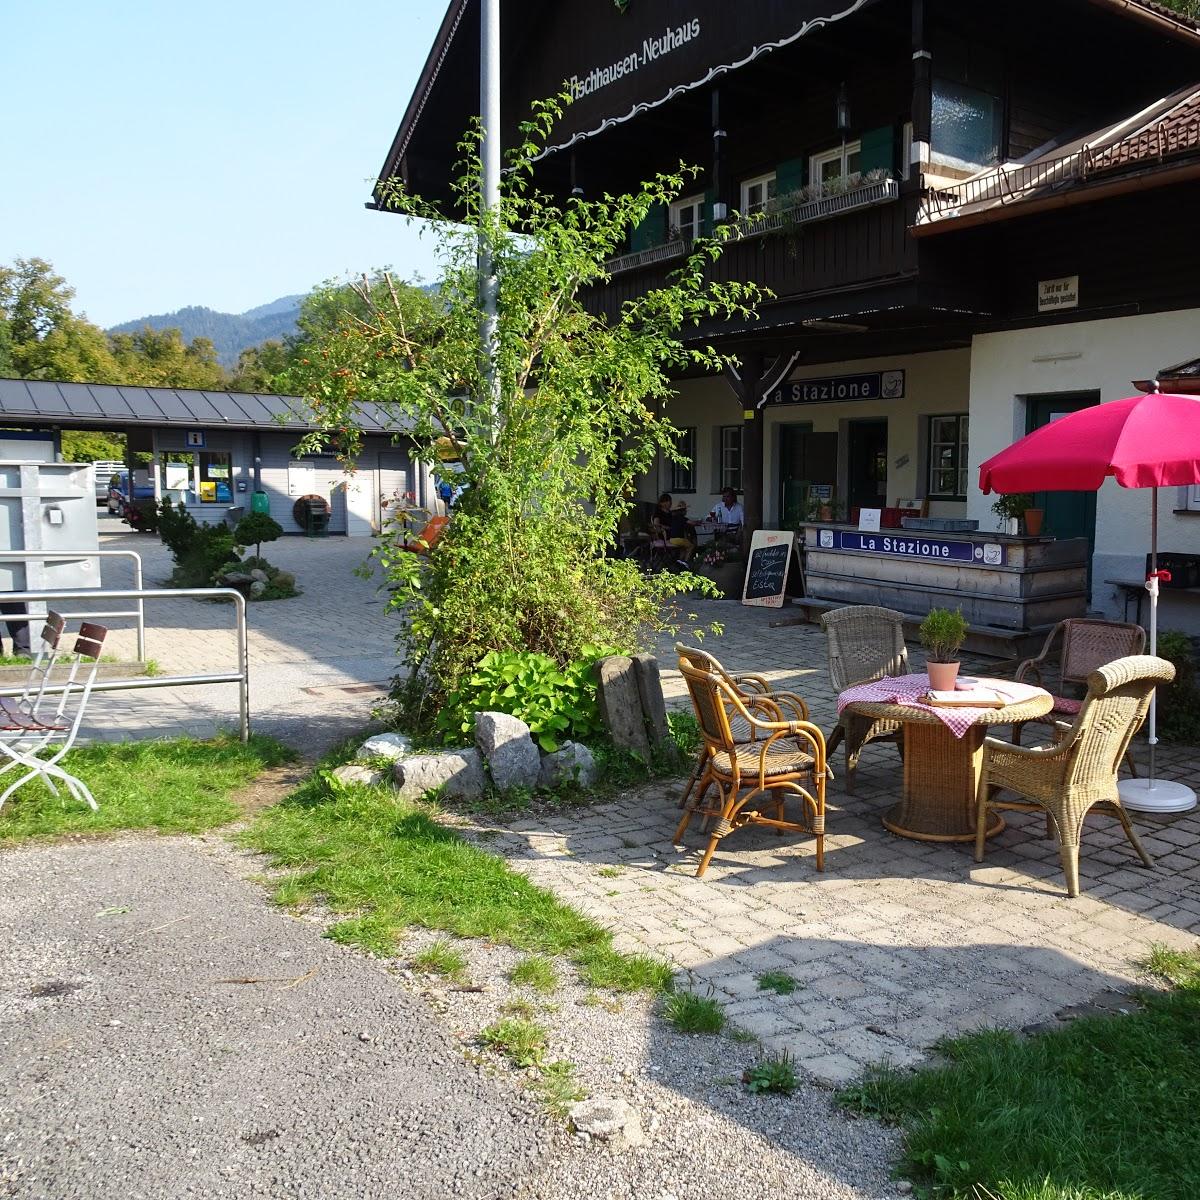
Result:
x=1147 y=441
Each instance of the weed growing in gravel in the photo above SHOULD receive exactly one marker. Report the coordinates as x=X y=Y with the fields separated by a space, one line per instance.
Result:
x=180 y=785
x=774 y=1074
x=519 y=1007
x=535 y=971
x=1104 y=1107
x=521 y=1041
x=609 y=872
x=394 y=864
x=743 y=1035
x=690 y=1013
x=611 y=1004
x=779 y=982
x=441 y=958
x=557 y=1087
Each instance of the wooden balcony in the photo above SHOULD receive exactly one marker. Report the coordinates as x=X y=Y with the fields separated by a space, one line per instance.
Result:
x=839 y=241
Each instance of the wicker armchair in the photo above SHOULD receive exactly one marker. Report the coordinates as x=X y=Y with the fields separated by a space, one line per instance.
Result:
x=1086 y=645
x=865 y=643
x=1079 y=772
x=747 y=686
x=783 y=758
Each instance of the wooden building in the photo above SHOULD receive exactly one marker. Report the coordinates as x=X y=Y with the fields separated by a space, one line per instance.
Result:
x=976 y=217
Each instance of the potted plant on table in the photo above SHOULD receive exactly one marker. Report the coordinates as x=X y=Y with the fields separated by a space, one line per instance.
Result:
x=1018 y=506
x=942 y=634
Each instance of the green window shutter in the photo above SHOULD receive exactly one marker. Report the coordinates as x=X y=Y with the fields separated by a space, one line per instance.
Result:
x=878 y=150
x=790 y=176
x=652 y=231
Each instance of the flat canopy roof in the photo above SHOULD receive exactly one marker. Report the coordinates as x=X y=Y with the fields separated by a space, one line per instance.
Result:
x=101 y=405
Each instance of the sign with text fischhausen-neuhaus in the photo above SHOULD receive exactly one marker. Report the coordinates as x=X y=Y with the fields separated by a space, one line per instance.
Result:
x=617 y=62
x=870 y=385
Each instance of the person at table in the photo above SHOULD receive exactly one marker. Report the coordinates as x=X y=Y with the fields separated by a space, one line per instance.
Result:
x=729 y=511
x=679 y=533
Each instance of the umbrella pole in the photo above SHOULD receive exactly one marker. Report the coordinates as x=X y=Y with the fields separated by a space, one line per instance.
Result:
x=1151 y=795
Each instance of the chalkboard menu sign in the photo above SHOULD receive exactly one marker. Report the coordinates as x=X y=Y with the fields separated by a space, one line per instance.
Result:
x=767 y=568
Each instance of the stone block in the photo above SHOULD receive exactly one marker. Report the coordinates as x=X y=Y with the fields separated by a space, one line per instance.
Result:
x=385 y=745
x=609 y=1120
x=459 y=773
x=572 y=764
x=352 y=773
x=650 y=692
x=620 y=703
x=506 y=744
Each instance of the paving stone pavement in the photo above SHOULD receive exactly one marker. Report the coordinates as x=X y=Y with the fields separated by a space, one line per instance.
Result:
x=318 y=662
x=898 y=943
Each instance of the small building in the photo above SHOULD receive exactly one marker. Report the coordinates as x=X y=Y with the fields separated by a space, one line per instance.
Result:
x=212 y=450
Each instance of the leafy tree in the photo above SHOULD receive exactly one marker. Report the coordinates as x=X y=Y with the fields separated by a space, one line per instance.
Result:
x=161 y=358
x=40 y=336
x=256 y=528
x=549 y=456
x=82 y=445
x=259 y=367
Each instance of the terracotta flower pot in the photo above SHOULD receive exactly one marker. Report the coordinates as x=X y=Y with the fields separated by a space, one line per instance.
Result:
x=942 y=675
x=1033 y=521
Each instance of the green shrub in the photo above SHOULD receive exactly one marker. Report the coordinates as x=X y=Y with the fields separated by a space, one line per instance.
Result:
x=199 y=550
x=256 y=528
x=1179 y=702
x=772 y=1075
x=556 y=702
x=690 y=1013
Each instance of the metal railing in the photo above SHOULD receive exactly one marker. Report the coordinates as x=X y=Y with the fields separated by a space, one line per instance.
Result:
x=241 y=676
x=139 y=613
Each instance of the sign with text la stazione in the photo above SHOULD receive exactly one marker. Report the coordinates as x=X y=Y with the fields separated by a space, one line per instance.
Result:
x=618 y=61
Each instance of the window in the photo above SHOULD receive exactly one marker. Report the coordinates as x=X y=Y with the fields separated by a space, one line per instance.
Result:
x=831 y=165
x=683 y=474
x=948 y=457
x=215 y=478
x=756 y=192
x=687 y=218
x=730 y=474
x=966 y=125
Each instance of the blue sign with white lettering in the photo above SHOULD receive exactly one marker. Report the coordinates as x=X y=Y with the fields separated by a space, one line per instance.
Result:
x=907 y=545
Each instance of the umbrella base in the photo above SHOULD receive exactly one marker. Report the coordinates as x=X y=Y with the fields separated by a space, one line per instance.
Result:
x=1165 y=796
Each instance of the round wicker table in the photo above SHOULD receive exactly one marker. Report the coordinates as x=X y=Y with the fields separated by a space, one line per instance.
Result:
x=941 y=771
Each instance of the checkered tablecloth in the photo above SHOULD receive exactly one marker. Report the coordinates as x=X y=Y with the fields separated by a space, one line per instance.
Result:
x=910 y=690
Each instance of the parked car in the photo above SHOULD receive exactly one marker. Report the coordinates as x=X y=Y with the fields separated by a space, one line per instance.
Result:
x=118 y=492
x=104 y=470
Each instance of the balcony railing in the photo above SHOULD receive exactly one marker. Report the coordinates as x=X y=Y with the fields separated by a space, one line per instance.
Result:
x=808 y=212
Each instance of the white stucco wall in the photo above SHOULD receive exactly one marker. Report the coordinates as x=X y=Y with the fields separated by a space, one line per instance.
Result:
x=1104 y=356
x=934 y=383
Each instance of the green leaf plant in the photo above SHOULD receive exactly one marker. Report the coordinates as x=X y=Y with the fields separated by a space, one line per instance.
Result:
x=549 y=448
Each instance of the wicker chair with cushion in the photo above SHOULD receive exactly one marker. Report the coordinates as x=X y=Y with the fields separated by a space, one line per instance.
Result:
x=1085 y=646
x=1079 y=772
x=748 y=687
x=866 y=643
x=783 y=758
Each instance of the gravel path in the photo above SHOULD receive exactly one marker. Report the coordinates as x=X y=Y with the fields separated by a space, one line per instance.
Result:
x=134 y=1070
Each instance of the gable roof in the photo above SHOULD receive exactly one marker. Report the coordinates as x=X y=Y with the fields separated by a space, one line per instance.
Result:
x=1160 y=144
x=99 y=405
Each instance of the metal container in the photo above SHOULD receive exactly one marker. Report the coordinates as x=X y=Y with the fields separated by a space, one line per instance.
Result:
x=48 y=506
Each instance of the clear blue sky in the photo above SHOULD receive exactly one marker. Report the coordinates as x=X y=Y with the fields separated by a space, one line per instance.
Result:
x=164 y=154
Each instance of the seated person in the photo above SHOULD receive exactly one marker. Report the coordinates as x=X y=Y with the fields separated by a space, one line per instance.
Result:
x=729 y=511
x=679 y=532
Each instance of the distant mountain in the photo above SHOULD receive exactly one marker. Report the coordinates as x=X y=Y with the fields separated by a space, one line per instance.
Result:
x=230 y=333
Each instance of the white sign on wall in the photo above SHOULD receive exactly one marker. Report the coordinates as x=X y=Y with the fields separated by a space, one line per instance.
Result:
x=1055 y=294
x=302 y=479
x=195 y=438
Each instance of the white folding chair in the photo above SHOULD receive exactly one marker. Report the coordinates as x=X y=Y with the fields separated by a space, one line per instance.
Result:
x=28 y=731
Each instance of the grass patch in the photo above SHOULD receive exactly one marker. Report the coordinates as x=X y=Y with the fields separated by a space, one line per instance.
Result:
x=690 y=1013
x=774 y=1074
x=557 y=1087
x=609 y=872
x=779 y=982
x=180 y=785
x=440 y=958
x=535 y=971
x=1103 y=1109
x=521 y=1041
x=392 y=865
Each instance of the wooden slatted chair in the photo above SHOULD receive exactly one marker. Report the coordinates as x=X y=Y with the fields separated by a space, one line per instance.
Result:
x=1085 y=645
x=748 y=686
x=1079 y=772
x=783 y=759
x=36 y=739
x=866 y=643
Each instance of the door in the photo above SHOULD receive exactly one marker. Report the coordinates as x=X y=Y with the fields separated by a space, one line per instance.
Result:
x=866 y=465
x=1068 y=514
x=805 y=459
x=393 y=481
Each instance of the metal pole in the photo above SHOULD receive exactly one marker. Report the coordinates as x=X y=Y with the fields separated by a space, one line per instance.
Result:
x=1152 y=588
x=244 y=667
x=141 y=607
x=489 y=283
